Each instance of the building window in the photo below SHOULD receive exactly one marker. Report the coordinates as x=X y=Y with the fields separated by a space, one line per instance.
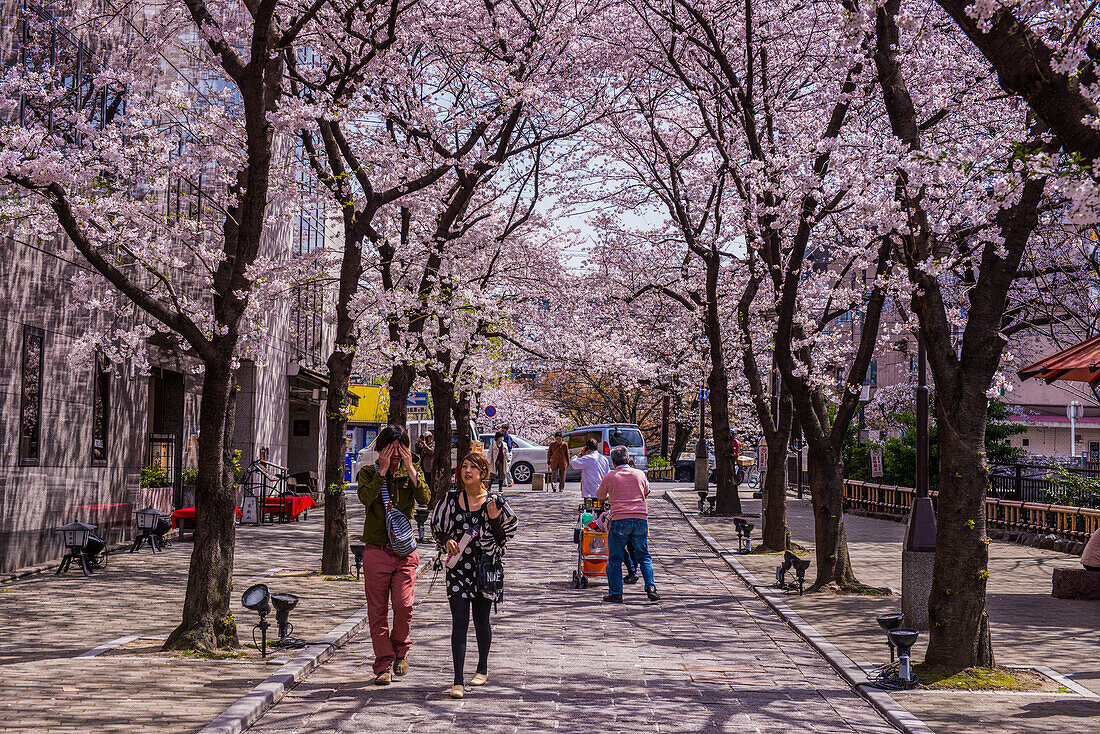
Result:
x=30 y=408
x=871 y=377
x=1026 y=442
x=101 y=407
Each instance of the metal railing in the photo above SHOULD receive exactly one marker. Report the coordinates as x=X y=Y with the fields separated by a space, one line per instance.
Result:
x=1034 y=483
x=1071 y=523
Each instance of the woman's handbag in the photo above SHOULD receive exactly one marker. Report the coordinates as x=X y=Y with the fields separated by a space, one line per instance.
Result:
x=398 y=527
x=490 y=576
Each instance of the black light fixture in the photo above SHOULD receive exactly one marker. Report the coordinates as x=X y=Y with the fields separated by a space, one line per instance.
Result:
x=75 y=536
x=357 y=552
x=160 y=530
x=283 y=603
x=147 y=524
x=903 y=640
x=890 y=622
x=258 y=598
x=790 y=560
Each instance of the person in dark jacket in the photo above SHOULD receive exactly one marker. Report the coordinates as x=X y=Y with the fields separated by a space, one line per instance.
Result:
x=385 y=572
x=472 y=527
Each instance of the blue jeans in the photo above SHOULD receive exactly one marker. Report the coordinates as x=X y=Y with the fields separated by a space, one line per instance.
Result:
x=620 y=533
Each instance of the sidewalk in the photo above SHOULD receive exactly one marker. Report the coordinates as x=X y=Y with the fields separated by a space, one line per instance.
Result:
x=50 y=620
x=709 y=657
x=1029 y=626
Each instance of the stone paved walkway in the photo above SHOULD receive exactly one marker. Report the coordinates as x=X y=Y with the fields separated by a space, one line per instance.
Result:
x=709 y=657
x=1029 y=626
x=46 y=621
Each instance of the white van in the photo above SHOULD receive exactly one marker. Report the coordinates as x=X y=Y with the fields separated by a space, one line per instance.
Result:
x=608 y=436
x=417 y=428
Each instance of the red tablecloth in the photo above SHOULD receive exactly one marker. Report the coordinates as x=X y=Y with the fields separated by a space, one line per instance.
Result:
x=292 y=506
x=188 y=513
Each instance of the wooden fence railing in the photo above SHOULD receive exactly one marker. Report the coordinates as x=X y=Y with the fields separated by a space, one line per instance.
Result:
x=1071 y=523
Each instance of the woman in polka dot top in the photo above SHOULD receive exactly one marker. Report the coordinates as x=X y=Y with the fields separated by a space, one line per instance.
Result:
x=472 y=527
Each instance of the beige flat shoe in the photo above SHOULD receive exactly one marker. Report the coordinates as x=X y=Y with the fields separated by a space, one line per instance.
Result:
x=383 y=678
x=479 y=679
x=457 y=691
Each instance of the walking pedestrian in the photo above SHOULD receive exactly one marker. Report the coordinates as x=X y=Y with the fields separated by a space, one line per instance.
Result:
x=626 y=489
x=426 y=446
x=557 y=458
x=508 y=481
x=593 y=466
x=500 y=458
x=473 y=528
x=386 y=573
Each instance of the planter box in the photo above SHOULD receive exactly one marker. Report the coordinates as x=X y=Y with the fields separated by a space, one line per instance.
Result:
x=661 y=474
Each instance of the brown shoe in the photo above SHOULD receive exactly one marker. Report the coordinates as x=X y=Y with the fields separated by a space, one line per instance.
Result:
x=457 y=691
x=383 y=678
x=401 y=666
x=479 y=679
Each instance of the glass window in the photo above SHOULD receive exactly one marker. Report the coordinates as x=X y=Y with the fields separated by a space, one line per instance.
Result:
x=631 y=437
x=576 y=440
x=101 y=406
x=31 y=397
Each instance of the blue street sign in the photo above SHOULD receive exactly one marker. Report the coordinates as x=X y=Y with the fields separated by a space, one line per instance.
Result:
x=417 y=399
x=703 y=395
x=490 y=411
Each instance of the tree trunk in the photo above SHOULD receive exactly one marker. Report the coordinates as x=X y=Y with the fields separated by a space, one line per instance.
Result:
x=774 y=532
x=728 y=502
x=959 y=634
x=461 y=409
x=334 y=553
x=207 y=623
x=443 y=393
x=401 y=380
x=827 y=496
x=682 y=434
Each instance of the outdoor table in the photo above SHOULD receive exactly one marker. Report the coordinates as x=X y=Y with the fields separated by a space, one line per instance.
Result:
x=289 y=507
x=188 y=514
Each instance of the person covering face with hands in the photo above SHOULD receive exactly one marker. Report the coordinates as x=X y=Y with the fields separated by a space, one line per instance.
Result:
x=385 y=573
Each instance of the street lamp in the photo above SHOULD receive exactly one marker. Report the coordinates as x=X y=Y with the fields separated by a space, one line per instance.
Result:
x=75 y=536
x=147 y=524
x=919 y=553
x=1075 y=412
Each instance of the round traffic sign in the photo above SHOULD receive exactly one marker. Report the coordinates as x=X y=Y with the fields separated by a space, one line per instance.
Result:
x=490 y=411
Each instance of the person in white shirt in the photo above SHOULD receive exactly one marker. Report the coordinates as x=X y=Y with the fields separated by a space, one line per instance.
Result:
x=593 y=466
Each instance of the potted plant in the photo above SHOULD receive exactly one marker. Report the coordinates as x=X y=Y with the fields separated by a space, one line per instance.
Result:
x=156 y=488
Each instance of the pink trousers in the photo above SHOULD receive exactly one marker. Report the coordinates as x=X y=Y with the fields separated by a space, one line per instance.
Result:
x=387 y=575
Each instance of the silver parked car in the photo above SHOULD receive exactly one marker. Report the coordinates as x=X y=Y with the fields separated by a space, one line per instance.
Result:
x=528 y=458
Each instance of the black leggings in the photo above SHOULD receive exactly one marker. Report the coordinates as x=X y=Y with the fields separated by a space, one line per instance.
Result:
x=1090 y=568
x=460 y=625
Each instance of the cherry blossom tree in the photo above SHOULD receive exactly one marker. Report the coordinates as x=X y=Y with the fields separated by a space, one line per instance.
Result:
x=95 y=142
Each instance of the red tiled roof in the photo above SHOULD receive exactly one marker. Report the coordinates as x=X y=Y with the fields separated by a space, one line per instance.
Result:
x=1079 y=363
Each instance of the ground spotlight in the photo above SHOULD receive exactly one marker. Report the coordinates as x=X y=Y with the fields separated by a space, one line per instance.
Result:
x=283 y=604
x=258 y=598
x=903 y=640
x=147 y=524
x=890 y=622
x=790 y=560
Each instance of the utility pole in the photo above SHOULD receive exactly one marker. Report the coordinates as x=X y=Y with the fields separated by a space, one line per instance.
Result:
x=664 y=426
x=919 y=554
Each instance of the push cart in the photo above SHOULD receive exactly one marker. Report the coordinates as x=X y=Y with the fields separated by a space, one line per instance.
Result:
x=591 y=557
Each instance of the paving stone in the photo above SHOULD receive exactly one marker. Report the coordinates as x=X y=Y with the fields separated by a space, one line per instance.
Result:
x=564 y=661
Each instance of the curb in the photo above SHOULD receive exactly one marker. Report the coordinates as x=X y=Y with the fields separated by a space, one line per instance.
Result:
x=894 y=712
x=250 y=707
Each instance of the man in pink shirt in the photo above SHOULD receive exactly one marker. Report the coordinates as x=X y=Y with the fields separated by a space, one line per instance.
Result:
x=625 y=488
